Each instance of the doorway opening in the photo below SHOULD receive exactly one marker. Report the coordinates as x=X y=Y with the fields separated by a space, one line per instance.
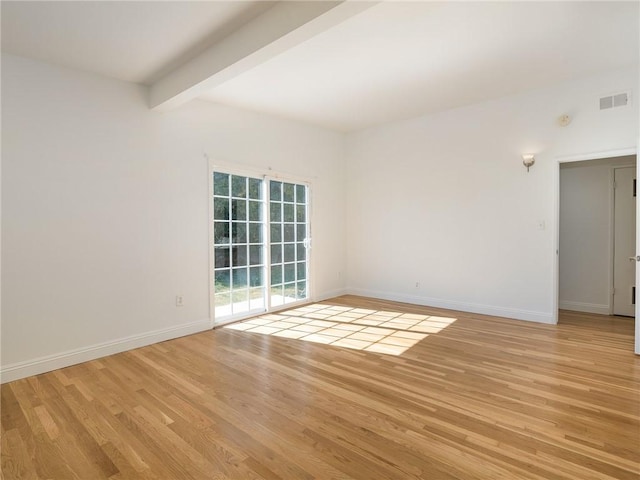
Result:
x=597 y=236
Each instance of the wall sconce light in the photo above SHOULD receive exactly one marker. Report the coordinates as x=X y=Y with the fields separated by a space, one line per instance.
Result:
x=528 y=160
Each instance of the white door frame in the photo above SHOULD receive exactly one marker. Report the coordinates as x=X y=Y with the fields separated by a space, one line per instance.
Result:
x=556 y=223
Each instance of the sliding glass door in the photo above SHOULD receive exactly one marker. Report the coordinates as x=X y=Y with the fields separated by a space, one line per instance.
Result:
x=258 y=223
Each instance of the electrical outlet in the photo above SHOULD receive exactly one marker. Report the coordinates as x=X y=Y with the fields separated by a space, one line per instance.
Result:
x=179 y=301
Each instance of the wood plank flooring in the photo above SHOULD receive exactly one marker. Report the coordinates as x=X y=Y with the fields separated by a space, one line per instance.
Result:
x=483 y=398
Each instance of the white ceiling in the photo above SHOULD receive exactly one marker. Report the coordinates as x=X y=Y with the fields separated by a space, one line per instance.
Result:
x=135 y=41
x=392 y=61
x=397 y=60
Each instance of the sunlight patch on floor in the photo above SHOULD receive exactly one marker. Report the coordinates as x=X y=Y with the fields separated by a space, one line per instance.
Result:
x=377 y=331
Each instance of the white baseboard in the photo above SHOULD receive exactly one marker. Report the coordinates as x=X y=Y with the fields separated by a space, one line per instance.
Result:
x=331 y=294
x=518 y=314
x=584 y=307
x=16 y=371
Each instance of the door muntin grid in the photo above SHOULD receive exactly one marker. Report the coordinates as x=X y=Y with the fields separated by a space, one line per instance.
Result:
x=289 y=229
x=238 y=237
x=258 y=223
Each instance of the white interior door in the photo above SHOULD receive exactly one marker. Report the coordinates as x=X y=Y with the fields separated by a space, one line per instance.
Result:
x=637 y=339
x=624 y=264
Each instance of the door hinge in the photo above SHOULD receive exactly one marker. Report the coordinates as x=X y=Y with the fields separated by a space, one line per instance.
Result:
x=614 y=185
x=633 y=295
x=634 y=187
x=613 y=291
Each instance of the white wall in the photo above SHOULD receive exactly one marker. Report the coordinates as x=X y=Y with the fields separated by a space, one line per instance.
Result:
x=585 y=234
x=105 y=205
x=444 y=200
x=105 y=211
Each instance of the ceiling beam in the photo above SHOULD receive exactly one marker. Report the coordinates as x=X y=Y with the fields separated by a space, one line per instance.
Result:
x=280 y=28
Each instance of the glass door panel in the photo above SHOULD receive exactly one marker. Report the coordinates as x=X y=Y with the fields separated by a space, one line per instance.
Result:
x=238 y=206
x=289 y=228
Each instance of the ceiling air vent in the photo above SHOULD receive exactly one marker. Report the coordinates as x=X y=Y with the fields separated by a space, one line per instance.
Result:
x=613 y=101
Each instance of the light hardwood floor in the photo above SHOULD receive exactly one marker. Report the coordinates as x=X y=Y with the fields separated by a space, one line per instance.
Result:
x=482 y=398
